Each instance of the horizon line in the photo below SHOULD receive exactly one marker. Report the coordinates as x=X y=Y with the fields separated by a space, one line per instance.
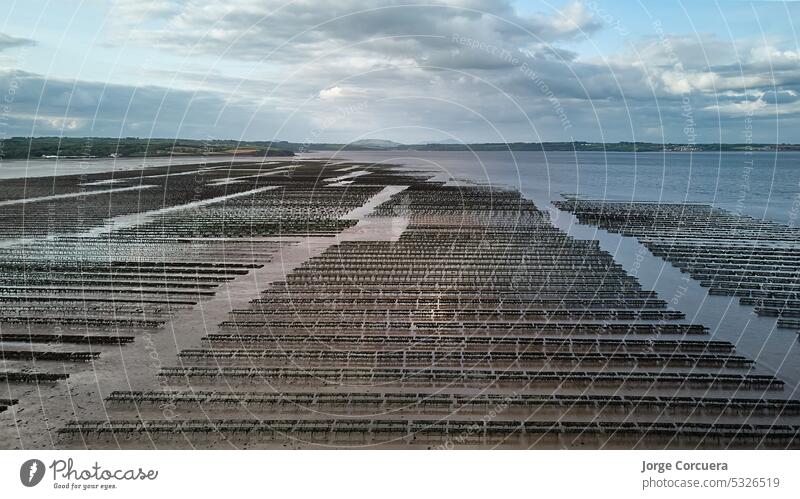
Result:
x=445 y=143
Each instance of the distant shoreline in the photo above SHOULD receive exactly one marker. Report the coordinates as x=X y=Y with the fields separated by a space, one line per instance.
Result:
x=85 y=148
x=320 y=151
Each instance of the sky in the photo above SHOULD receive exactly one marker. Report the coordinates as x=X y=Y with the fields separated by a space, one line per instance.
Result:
x=413 y=72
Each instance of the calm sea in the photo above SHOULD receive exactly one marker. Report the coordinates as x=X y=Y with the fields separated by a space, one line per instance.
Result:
x=759 y=184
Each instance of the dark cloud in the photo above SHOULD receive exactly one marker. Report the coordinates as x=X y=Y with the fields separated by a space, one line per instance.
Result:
x=292 y=31
x=8 y=42
x=42 y=106
x=780 y=97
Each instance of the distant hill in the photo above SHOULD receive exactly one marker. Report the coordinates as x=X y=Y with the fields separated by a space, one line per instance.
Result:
x=375 y=144
x=100 y=147
x=445 y=141
x=603 y=147
x=452 y=145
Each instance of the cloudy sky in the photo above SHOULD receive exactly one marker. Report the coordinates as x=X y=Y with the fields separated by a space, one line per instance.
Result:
x=437 y=70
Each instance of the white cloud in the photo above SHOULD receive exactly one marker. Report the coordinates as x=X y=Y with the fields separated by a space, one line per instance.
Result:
x=574 y=18
x=67 y=124
x=331 y=93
